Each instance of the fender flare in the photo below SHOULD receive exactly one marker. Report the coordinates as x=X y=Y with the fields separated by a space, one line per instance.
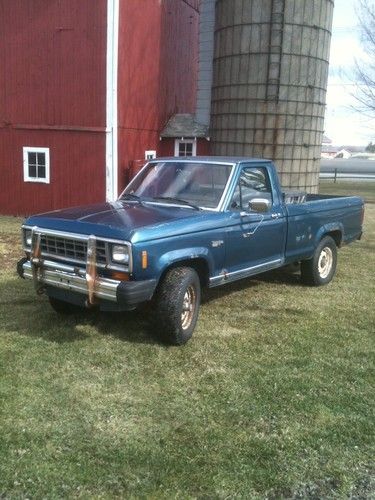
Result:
x=329 y=228
x=171 y=258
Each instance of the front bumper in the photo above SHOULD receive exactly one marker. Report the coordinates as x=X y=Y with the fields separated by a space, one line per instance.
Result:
x=70 y=279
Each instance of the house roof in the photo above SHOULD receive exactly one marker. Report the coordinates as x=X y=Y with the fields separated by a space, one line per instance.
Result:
x=184 y=125
x=330 y=149
x=354 y=149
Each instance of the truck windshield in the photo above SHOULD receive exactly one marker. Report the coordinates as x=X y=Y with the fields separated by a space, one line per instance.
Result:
x=195 y=183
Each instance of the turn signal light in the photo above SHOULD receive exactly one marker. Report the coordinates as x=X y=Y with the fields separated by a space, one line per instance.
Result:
x=118 y=275
x=144 y=260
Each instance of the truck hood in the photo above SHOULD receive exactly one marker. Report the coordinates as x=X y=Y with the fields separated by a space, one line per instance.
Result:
x=130 y=221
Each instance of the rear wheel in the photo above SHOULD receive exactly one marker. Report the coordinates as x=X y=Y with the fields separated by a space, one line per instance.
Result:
x=321 y=268
x=62 y=307
x=177 y=305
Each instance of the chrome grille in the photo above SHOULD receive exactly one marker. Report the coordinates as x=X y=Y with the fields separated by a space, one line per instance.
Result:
x=70 y=249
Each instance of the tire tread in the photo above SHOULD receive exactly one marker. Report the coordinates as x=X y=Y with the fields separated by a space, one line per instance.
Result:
x=309 y=268
x=168 y=301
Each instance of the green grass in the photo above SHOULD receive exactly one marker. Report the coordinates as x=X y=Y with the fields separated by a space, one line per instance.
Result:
x=273 y=397
x=366 y=189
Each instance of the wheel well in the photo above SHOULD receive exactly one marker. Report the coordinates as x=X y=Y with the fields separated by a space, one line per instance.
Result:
x=336 y=236
x=198 y=264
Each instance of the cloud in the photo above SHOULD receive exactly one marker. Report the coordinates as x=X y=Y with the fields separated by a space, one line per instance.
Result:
x=345 y=49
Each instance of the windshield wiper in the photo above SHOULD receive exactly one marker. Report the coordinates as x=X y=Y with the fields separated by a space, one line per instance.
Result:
x=131 y=196
x=175 y=200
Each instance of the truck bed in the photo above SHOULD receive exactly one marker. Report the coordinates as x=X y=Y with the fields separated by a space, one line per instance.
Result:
x=297 y=197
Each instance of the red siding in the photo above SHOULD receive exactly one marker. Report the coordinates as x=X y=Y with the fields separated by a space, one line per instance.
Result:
x=157 y=71
x=52 y=94
x=53 y=90
x=53 y=57
x=77 y=172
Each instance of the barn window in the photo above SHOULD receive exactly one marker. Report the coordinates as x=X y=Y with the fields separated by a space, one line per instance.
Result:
x=150 y=154
x=36 y=164
x=185 y=147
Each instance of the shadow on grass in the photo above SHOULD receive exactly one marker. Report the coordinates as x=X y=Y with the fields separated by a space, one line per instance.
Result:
x=367 y=246
x=24 y=312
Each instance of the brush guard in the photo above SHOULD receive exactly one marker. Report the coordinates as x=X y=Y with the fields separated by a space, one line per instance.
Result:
x=37 y=266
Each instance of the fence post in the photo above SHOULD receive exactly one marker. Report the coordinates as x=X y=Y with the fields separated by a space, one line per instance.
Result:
x=335 y=177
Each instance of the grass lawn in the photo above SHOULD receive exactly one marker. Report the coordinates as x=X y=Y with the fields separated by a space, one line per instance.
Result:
x=366 y=189
x=273 y=397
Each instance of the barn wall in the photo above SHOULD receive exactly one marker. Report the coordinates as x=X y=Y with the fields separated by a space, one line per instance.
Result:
x=158 y=53
x=77 y=172
x=53 y=58
x=52 y=94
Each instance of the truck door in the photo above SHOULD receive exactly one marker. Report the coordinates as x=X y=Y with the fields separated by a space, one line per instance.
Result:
x=255 y=241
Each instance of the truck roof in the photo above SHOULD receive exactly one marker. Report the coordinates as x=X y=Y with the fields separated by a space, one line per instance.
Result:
x=213 y=159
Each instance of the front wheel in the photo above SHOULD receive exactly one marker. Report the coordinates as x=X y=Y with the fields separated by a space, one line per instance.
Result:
x=177 y=305
x=321 y=268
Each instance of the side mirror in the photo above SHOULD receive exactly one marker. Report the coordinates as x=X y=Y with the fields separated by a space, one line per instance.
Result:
x=259 y=205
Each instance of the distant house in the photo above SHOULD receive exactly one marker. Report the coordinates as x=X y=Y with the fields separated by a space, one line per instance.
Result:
x=354 y=149
x=343 y=153
x=364 y=156
x=329 y=151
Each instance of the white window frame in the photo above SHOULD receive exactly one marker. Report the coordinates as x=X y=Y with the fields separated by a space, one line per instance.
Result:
x=150 y=154
x=26 y=177
x=177 y=143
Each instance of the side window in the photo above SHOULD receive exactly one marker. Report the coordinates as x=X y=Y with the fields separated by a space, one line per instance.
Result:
x=253 y=183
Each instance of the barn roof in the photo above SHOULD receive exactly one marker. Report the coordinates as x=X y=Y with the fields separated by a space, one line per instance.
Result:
x=184 y=125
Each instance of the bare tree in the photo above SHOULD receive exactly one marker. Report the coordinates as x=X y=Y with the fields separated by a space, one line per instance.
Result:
x=365 y=68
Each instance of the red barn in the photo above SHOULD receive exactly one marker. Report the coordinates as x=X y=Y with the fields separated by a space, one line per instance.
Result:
x=87 y=89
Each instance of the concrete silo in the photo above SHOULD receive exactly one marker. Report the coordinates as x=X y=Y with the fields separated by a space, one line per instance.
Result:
x=270 y=73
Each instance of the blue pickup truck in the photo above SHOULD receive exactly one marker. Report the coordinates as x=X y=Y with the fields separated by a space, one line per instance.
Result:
x=181 y=225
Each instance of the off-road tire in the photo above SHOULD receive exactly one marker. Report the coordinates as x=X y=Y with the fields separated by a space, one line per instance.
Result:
x=177 y=304
x=64 y=308
x=321 y=268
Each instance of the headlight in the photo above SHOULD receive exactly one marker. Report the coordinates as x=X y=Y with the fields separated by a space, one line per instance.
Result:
x=27 y=237
x=120 y=254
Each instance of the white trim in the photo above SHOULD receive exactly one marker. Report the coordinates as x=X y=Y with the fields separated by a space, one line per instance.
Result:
x=32 y=149
x=150 y=154
x=177 y=143
x=221 y=279
x=111 y=152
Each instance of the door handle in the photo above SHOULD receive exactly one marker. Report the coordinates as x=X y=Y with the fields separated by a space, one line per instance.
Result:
x=276 y=215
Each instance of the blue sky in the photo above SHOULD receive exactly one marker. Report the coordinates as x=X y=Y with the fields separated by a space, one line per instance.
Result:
x=344 y=125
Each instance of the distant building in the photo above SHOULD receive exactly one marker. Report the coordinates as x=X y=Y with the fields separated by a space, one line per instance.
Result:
x=364 y=156
x=329 y=151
